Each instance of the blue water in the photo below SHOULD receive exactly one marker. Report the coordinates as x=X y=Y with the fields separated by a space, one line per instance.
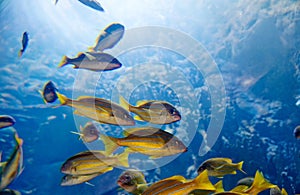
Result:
x=250 y=50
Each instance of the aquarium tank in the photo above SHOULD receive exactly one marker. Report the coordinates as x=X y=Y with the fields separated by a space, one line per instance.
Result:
x=194 y=89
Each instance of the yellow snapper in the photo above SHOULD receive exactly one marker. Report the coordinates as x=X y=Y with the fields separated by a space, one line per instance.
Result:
x=94 y=61
x=91 y=162
x=150 y=141
x=108 y=37
x=69 y=180
x=98 y=109
x=10 y=169
x=157 y=112
x=259 y=184
x=132 y=181
x=218 y=167
x=177 y=185
x=6 y=121
x=218 y=186
x=88 y=133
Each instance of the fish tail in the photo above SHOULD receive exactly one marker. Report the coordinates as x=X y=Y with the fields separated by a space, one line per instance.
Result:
x=259 y=184
x=64 y=61
x=110 y=144
x=239 y=167
x=91 y=49
x=283 y=192
x=62 y=98
x=219 y=186
x=124 y=103
x=20 y=53
x=202 y=182
x=123 y=158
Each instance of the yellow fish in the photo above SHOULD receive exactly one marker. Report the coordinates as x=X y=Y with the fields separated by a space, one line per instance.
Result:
x=150 y=141
x=10 y=169
x=91 y=162
x=259 y=184
x=218 y=167
x=69 y=180
x=98 y=109
x=157 y=112
x=177 y=185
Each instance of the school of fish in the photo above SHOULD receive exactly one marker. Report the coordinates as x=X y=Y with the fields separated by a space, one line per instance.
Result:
x=147 y=140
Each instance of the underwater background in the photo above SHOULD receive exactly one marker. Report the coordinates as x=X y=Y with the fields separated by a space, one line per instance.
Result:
x=253 y=44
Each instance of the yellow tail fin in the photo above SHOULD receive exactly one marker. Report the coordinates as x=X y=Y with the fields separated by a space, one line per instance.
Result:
x=62 y=98
x=259 y=184
x=123 y=158
x=110 y=144
x=203 y=183
x=219 y=186
x=63 y=62
x=124 y=103
x=239 y=167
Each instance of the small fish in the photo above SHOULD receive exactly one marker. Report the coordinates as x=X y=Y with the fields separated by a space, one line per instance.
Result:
x=259 y=184
x=132 y=181
x=93 y=4
x=55 y=2
x=94 y=61
x=218 y=167
x=98 y=109
x=10 y=169
x=88 y=133
x=49 y=92
x=150 y=141
x=10 y=192
x=108 y=37
x=177 y=185
x=297 y=132
x=69 y=180
x=157 y=112
x=91 y=162
x=247 y=181
x=6 y=121
x=25 y=40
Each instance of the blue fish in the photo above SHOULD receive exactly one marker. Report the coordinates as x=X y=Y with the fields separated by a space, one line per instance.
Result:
x=93 y=4
x=25 y=40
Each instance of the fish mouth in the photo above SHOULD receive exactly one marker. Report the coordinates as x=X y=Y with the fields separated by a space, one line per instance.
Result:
x=176 y=117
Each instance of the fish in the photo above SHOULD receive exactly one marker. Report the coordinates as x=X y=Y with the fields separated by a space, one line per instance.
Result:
x=108 y=37
x=259 y=184
x=10 y=192
x=10 y=169
x=132 y=181
x=277 y=191
x=92 y=4
x=218 y=167
x=297 y=132
x=69 y=180
x=150 y=141
x=25 y=41
x=93 y=61
x=156 y=112
x=218 y=186
x=90 y=162
x=247 y=181
x=49 y=92
x=98 y=109
x=55 y=2
x=88 y=133
x=178 y=185
x=6 y=121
